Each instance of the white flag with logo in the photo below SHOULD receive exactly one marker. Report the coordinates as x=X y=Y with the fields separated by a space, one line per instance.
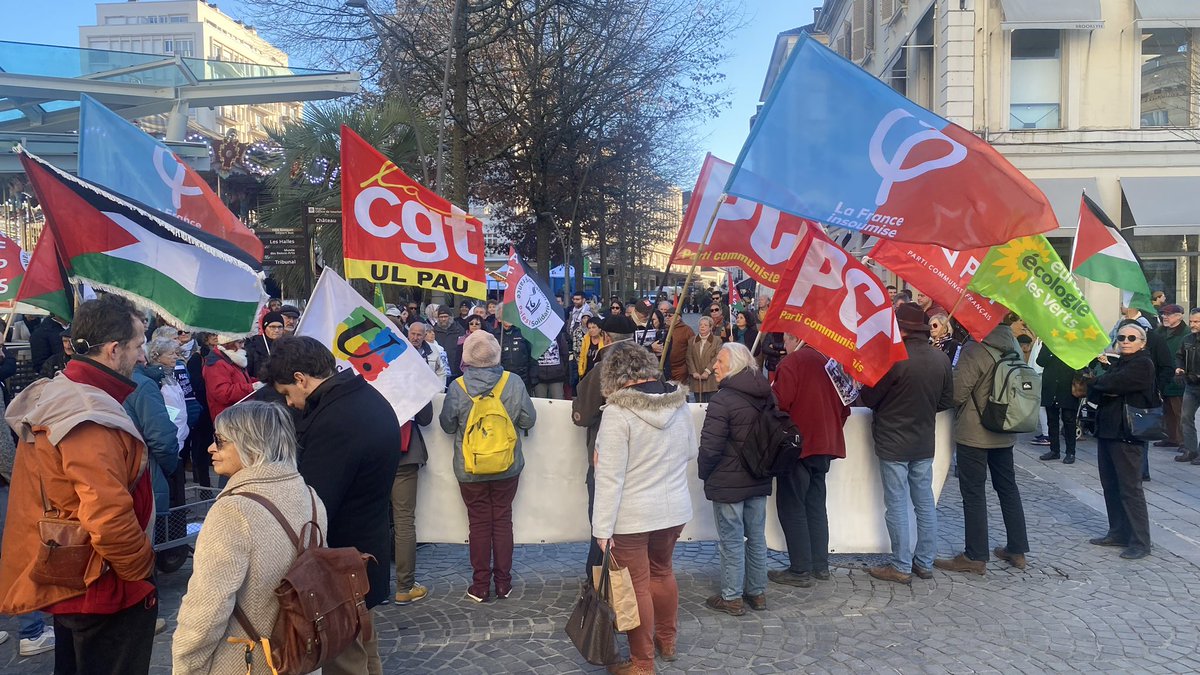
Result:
x=364 y=340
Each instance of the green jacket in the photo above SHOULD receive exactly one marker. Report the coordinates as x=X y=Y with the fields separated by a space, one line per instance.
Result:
x=1174 y=339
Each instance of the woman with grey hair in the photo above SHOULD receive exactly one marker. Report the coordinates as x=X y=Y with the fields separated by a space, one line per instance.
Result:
x=701 y=355
x=164 y=352
x=1128 y=380
x=739 y=499
x=242 y=552
x=645 y=442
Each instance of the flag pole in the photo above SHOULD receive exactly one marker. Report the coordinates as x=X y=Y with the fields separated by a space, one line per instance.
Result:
x=957 y=303
x=757 y=341
x=11 y=320
x=687 y=283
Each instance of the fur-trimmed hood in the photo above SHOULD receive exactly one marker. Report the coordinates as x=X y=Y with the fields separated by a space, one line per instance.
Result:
x=654 y=403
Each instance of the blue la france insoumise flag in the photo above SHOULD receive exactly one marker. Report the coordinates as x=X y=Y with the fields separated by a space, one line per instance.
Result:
x=835 y=144
x=126 y=160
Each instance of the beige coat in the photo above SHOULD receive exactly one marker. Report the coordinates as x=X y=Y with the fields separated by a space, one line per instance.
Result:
x=701 y=355
x=241 y=555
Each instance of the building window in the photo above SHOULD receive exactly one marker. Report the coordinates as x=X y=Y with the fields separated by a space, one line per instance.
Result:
x=178 y=18
x=114 y=21
x=1036 y=95
x=1166 y=77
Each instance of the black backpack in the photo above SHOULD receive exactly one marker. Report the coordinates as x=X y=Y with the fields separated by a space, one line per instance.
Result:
x=773 y=445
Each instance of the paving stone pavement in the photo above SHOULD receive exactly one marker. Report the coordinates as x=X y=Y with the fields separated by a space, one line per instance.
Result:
x=1076 y=608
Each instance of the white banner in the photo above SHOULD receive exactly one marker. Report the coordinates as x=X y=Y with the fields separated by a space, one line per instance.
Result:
x=551 y=503
x=366 y=341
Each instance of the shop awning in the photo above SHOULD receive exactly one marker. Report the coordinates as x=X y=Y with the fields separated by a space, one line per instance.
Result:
x=1168 y=13
x=1164 y=204
x=1064 y=195
x=1057 y=15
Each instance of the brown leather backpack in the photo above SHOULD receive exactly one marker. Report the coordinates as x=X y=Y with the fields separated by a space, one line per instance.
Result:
x=322 y=601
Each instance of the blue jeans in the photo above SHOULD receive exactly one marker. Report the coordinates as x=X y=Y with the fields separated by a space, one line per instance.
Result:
x=742 y=528
x=1187 y=419
x=902 y=481
x=32 y=625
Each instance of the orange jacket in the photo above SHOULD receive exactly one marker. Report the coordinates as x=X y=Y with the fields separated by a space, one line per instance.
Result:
x=77 y=442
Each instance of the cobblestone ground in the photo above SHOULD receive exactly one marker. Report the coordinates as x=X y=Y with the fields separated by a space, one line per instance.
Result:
x=1076 y=608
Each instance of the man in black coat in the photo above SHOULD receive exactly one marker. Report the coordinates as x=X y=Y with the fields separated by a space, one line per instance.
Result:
x=349 y=450
x=46 y=341
x=1060 y=403
x=516 y=354
x=906 y=402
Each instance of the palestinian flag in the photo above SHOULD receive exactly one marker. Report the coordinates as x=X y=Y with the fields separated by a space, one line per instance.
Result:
x=530 y=306
x=193 y=279
x=44 y=283
x=1101 y=254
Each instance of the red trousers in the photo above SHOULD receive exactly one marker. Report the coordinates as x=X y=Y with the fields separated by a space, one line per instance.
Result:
x=648 y=557
x=490 y=541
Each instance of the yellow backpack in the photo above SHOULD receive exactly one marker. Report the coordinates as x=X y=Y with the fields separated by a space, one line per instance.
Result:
x=490 y=439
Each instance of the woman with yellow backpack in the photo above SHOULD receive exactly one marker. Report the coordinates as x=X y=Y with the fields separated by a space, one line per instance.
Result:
x=483 y=410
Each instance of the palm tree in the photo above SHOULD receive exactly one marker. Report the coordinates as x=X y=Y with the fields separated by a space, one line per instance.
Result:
x=309 y=161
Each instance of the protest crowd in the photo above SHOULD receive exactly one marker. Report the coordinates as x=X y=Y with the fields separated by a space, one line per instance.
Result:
x=267 y=415
x=309 y=421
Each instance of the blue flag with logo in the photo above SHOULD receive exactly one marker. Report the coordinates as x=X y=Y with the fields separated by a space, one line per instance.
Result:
x=130 y=162
x=835 y=144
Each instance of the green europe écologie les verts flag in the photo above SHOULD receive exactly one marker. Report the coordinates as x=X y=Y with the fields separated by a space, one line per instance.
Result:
x=1028 y=277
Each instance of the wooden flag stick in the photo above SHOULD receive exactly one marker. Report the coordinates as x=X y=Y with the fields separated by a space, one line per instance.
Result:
x=662 y=360
x=957 y=303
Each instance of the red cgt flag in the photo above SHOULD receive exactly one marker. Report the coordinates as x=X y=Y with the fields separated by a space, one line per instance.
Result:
x=757 y=239
x=943 y=275
x=833 y=302
x=396 y=231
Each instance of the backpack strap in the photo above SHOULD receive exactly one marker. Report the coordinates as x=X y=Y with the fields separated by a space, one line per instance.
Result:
x=500 y=384
x=242 y=619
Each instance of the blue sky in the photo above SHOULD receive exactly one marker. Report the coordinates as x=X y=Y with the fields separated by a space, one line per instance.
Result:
x=749 y=49
x=750 y=53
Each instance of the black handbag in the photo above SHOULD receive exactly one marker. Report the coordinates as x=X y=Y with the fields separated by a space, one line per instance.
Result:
x=1145 y=424
x=593 y=623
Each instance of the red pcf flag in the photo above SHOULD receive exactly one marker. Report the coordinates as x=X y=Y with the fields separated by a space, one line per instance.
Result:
x=833 y=302
x=756 y=238
x=396 y=231
x=943 y=275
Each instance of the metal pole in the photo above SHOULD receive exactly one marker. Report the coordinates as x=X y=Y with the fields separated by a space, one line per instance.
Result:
x=691 y=272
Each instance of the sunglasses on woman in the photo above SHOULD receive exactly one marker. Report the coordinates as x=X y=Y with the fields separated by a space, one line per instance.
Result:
x=714 y=309
x=1128 y=338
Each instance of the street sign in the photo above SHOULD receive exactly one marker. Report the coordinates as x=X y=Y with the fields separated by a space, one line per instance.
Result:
x=284 y=246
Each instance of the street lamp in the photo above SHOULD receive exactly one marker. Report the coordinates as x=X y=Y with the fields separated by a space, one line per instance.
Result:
x=380 y=26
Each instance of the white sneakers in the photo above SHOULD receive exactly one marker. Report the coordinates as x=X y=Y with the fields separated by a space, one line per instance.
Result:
x=38 y=645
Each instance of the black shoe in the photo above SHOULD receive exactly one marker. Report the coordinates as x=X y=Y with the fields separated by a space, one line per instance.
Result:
x=790 y=578
x=1107 y=540
x=1069 y=459
x=1186 y=457
x=1049 y=456
x=1135 y=553
x=822 y=575
x=1145 y=478
x=921 y=572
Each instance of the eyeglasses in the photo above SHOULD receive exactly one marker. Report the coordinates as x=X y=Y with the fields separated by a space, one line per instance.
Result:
x=1128 y=338
x=714 y=309
x=412 y=308
x=185 y=332
x=221 y=442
